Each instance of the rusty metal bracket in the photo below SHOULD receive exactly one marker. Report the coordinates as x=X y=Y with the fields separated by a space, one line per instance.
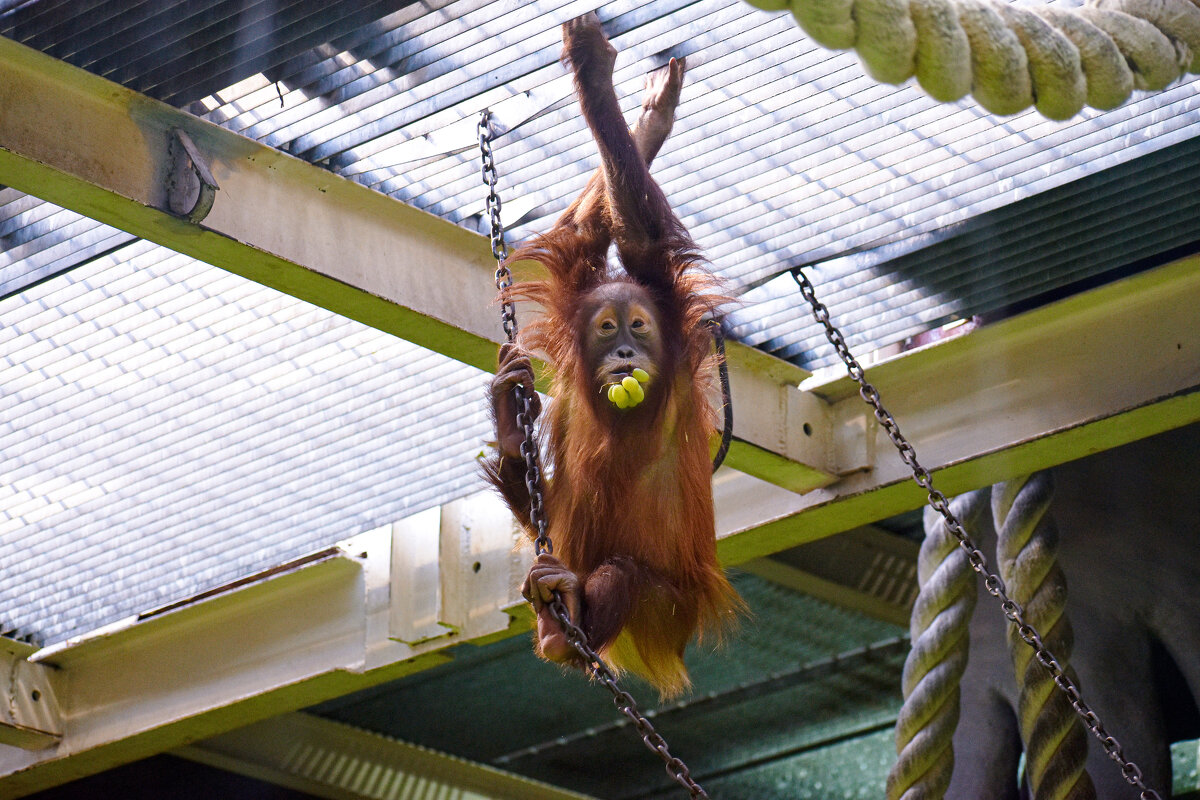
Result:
x=29 y=713
x=191 y=188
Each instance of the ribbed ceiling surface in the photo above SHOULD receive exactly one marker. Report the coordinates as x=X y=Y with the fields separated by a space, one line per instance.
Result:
x=167 y=426
x=1127 y=217
x=785 y=154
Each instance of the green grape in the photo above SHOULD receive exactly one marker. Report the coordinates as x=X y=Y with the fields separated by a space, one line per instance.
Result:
x=618 y=396
x=633 y=389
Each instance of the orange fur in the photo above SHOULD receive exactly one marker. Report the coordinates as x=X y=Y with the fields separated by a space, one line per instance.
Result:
x=642 y=491
x=629 y=501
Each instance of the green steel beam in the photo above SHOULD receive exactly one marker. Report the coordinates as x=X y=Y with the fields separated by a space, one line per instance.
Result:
x=1097 y=370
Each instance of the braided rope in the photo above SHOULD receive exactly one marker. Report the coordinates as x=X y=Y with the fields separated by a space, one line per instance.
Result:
x=1011 y=57
x=935 y=664
x=1027 y=557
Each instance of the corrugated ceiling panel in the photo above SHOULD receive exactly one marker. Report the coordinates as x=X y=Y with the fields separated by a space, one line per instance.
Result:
x=779 y=157
x=179 y=427
x=166 y=426
x=784 y=153
x=39 y=240
x=1128 y=217
x=180 y=51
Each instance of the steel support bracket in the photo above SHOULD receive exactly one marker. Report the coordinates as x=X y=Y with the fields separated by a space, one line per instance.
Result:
x=455 y=569
x=415 y=607
x=191 y=187
x=781 y=434
x=482 y=564
x=29 y=714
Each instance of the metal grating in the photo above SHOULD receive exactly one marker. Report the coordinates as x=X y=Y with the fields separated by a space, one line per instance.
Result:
x=799 y=676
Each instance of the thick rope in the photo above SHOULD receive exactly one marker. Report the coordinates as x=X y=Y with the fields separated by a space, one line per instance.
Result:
x=1011 y=57
x=1027 y=556
x=935 y=664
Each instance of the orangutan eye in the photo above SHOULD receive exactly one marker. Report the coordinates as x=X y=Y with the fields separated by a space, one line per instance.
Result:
x=608 y=326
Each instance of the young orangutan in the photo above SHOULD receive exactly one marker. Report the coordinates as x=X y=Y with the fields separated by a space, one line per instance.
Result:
x=629 y=506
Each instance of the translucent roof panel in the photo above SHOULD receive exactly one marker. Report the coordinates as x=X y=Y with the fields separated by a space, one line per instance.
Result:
x=166 y=426
x=784 y=153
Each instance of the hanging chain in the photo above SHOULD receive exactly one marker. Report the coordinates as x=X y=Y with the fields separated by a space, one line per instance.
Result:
x=726 y=397
x=624 y=702
x=508 y=318
x=499 y=246
x=991 y=581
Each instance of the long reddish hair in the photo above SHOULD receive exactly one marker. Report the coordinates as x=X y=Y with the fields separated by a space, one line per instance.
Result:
x=603 y=501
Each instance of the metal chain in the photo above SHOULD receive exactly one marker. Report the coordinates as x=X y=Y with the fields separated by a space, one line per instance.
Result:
x=726 y=398
x=508 y=318
x=625 y=703
x=676 y=769
x=991 y=581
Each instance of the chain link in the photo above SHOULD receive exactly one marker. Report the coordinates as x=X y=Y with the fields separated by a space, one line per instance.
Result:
x=991 y=581
x=625 y=703
x=508 y=311
x=508 y=318
x=726 y=397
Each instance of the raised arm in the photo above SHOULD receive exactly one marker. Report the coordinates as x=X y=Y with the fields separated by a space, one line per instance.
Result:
x=633 y=207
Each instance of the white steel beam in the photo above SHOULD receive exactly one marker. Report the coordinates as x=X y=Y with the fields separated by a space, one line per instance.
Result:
x=300 y=634
x=330 y=759
x=109 y=153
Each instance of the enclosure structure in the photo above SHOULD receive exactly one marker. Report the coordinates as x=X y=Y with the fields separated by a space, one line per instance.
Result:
x=241 y=521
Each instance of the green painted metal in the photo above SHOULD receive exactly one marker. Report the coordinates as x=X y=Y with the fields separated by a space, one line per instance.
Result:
x=1185 y=769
